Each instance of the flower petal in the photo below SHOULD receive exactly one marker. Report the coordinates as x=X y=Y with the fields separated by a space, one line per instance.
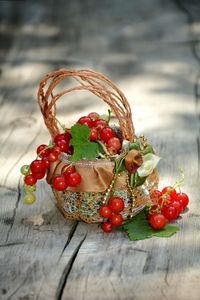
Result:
x=150 y=161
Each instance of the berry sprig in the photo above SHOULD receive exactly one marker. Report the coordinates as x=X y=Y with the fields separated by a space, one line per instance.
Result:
x=111 y=212
x=46 y=154
x=166 y=206
x=102 y=132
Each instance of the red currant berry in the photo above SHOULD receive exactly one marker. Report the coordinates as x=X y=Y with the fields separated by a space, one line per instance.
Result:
x=100 y=124
x=178 y=206
x=70 y=150
x=74 y=179
x=106 y=227
x=43 y=151
x=158 y=221
x=169 y=212
x=93 y=116
x=40 y=175
x=59 y=137
x=183 y=199
x=155 y=196
x=116 y=204
x=69 y=170
x=105 y=212
x=94 y=134
x=30 y=179
x=62 y=144
x=114 y=145
x=170 y=190
x=67 y=136
x=47 y=162
x=86 y=121
x=106 y=134
x=116 y=220
x=52 y=157
x=56 y=150
x=37 y=166
x=60 y=183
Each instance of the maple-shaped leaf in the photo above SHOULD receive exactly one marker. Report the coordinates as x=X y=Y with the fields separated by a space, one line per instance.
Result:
x=83 y=148
x=138 y=228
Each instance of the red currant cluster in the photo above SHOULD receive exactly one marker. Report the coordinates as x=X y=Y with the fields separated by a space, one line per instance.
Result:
x=100 y=130
x=111 y=211
x=68 y=178
x=166 y=205
x=38 y=168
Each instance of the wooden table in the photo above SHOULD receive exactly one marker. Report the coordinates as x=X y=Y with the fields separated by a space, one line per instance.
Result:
x=150 y=49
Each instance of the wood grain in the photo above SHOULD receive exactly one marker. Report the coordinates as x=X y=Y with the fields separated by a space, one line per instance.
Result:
x=151 y=50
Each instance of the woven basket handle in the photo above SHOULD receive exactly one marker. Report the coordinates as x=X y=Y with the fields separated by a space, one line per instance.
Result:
x=89 y=80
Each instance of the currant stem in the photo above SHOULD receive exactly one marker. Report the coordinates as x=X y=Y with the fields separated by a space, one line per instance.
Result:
x=61 y=125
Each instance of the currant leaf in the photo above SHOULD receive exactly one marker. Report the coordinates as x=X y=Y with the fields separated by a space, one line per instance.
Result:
x=83 y=148
x=138 y=228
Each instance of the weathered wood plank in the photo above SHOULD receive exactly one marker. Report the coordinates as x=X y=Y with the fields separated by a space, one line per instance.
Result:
x=148 y=53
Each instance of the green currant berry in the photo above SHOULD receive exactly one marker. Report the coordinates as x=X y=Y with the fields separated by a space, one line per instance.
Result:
x=25 y=170
x=29 y=199
x=30 y=188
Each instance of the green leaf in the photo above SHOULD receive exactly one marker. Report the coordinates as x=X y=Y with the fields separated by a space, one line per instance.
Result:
x=136 y=180
x=119 y=165
x=135 y=145
x=83 y=148
x=138 y=228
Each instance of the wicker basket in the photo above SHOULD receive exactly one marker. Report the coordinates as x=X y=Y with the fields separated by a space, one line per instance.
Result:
x=99 y=181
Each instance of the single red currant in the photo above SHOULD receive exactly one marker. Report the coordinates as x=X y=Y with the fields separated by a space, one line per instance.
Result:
x=67 y=136
x=106 y=227
x=85 y=121
x=106 y=134
x=100 y=124
x=116 y=220
x=178 y=206
x=60 y=183
x=158 y=221
x=40 y=175
x=183 y=199
x=43 y=151
x=74 y=179
x=105 y=211
x=30 y=179
x=52 y=157
x=47 y=162
x=56 y=150
x=37 y=166
x=69 y=170
x=93 y=116
x=116 y=204
x=170 y=190
x=169 y=212
x=62 y=144
x=114 y=145
x=59 y=137
x=94 y=134
x=70 y=150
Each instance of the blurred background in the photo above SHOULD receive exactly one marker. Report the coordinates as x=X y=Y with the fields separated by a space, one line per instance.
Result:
x=150 y=49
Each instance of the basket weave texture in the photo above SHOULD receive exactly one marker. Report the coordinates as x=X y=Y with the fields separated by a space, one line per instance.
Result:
x=99 y=181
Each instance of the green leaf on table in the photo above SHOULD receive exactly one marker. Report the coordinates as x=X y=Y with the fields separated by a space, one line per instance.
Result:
x=138 y=228
x=83 y=148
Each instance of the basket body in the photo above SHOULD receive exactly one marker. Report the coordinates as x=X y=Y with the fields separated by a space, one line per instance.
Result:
x=84 y=201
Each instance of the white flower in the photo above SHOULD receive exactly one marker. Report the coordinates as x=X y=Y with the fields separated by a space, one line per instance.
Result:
x=150 y=161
